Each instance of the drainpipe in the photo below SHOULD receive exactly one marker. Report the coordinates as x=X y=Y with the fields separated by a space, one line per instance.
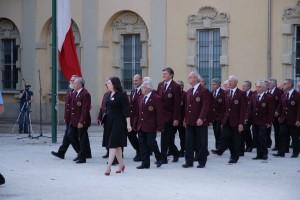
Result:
x=269 y=41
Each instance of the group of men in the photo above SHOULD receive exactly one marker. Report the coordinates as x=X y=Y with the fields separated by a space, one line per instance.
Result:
x=232 y=112
x=242 y=119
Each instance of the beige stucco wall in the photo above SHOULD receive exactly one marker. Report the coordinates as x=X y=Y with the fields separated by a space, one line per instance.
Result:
x=247 y=40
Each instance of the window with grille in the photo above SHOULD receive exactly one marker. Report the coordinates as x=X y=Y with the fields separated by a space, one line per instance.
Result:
x=297 y=55
x=131 y=56
x=208 y=54
x=9 y=69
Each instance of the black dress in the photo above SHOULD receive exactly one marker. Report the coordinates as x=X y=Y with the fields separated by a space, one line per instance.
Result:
x=117 y=112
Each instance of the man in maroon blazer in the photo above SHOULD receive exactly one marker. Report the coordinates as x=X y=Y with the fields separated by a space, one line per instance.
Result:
x=180 y=127
x=80 y=119
x=218 y=109
x=288 y=113
x=133 y=105
x=276 y=93
x=261 y=112
x=196 y=120
x=149 y=121
x=170 y=93
x=246 y=134
x=233 y=121
x=67 y=115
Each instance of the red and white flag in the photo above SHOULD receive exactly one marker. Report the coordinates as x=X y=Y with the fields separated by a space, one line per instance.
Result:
x=67 y=55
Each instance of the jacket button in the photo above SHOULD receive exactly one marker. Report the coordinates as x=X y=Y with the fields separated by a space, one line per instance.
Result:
x=142 y=119
x=189 y=111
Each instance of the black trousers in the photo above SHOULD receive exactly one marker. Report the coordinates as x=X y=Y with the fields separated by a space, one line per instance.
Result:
x=79 y=139
x=181 y=131
x=66 y=143
x=217 y=132
x=196 y=140
x=261 y=135
x=132 y=136
x=231 y=138
x=284 y=135
x=166 y=141
x=147 y=142
x=246 y=137
x=276 y=126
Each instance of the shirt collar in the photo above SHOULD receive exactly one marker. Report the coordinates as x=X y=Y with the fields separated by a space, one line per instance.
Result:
x=248 y=92
x=79 y=91
x=196 y=87
x=272 y=91
x=147 y=96
x=290 y=92
x=233 y=90
x=217 y=90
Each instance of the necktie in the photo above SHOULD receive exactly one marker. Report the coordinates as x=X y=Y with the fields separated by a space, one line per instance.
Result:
x=165 y=87
x=135 y=92
x=230 y=97
x=215 y=93
x=287 y=96
x=144 y=101
x=192 y=91
x=258 y=97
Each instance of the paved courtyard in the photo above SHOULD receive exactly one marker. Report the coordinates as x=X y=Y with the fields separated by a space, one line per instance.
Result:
x=32 y=173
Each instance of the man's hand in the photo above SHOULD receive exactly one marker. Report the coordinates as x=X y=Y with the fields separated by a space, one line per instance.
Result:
x=276 y=114
x=297 y=123
x=268 y=125
x=199 y=122
x=175 y=123
x=79 y=125
x=240 y=127
x=98 y=121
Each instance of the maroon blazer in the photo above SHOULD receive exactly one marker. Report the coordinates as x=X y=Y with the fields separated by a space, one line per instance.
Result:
x=277 y=95
x=68 y=101
x=133 y=105
x=289 y=110
x=197 y=106
x=218 y=106
x=81 y=109
x=103 y=108
x=236 y=108
x=171 y=100
x=261 y=112
x=182 y=108
x=150 y=117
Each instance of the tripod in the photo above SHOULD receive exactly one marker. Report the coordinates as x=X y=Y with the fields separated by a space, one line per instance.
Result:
x=25 y=107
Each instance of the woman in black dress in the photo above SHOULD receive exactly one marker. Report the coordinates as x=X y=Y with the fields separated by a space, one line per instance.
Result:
x=118 y=122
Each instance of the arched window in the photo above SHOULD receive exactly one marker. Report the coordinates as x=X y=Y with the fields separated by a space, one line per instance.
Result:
x=9 y=54
x=130 y=39
x=207 y=43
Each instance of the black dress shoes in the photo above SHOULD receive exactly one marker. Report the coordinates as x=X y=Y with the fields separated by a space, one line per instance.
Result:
x=159 y=163
x=216 y=152
x=278 y=155
x=175 y=159
x=143 y=167
x=201 y=166
x=137 y=158
x=275 y=149
x=80 y=161
x=76 y=159
x=232 y=161
x=106 y=155
x=295 y=155
x=89 y=156
x=186 y=165
x=56 y=154
x=257 y=158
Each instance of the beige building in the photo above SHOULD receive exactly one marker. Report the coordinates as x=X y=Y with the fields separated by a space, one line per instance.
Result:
x=254 y=39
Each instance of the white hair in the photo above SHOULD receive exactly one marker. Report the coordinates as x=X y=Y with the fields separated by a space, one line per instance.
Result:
x=196 y=75
x=147 y=79
x=234 y=78
x=148 y=84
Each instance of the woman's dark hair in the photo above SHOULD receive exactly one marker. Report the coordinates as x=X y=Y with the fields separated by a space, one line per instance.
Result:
x=116 y=83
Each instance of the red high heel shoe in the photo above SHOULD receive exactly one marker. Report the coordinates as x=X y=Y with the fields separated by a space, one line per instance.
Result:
x=122 y=170
x=107 y=173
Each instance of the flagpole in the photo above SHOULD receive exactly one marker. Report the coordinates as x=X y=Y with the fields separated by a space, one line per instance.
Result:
x=54 y=79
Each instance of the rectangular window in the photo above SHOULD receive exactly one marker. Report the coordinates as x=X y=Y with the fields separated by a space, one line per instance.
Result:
x=9 y=59
x=297 y=54
x=131 y=56
x=208 y=54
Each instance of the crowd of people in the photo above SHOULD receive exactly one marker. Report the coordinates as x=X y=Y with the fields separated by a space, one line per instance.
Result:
x=242 y=119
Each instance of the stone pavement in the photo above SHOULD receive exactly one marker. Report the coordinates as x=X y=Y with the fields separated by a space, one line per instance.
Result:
x=32 y=173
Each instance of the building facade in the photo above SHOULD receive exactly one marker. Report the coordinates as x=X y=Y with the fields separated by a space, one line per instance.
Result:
x=253 y=39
